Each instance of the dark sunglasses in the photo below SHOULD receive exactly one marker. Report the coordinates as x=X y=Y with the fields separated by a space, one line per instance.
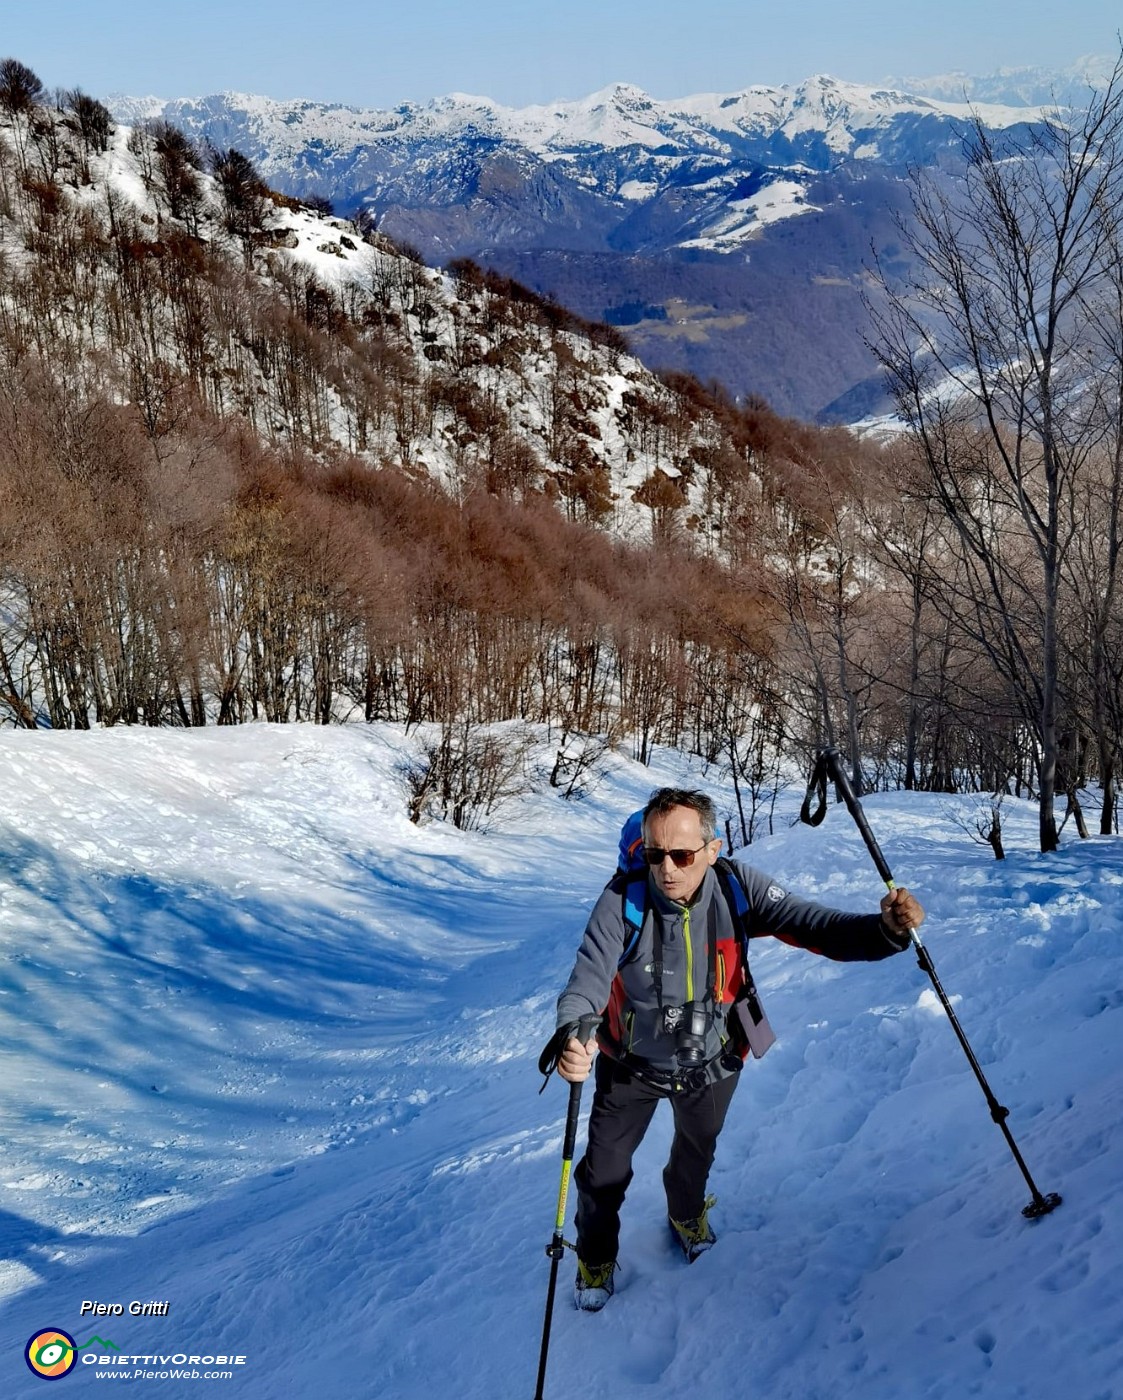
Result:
x=655 y=855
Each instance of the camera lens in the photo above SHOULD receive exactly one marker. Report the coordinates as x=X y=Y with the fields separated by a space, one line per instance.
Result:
x=690 y=1038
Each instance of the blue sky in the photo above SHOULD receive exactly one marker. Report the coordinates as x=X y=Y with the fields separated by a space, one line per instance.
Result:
x=378 y=53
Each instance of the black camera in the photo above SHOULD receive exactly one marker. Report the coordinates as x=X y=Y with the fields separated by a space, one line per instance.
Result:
x=689 y=1024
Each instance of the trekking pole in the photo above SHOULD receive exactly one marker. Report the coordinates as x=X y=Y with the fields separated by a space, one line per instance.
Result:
x=829 y=763
x=584 y=1031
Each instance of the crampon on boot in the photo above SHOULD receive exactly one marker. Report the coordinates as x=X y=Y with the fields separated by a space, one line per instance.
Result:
x=593 y=1285
x=694 y=1237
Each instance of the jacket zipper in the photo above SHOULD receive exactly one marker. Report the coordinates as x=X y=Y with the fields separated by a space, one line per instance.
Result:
x=689 y=955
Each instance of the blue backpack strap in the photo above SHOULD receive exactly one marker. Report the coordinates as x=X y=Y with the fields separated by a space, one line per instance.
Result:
x=737 y=900
x=632 y=870
x=734 y=890
x=635 y=907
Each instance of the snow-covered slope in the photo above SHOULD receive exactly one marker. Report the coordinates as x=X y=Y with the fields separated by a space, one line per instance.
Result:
x=483 y=366
x=270 y=1053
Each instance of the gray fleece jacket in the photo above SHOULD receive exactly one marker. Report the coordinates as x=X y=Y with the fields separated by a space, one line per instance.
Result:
x=700 y=960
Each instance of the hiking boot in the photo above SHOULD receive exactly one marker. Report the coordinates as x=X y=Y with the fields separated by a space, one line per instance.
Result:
x=593 y=1285
x=694 y=1237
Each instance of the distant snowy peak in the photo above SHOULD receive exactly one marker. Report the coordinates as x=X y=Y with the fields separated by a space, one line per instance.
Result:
x=1018 y=87
x=823 y=101
x=131 y=110
x=847 y=117
x=618 y=116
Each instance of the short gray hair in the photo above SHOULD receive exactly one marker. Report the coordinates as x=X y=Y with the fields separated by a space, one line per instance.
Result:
x=664 y=799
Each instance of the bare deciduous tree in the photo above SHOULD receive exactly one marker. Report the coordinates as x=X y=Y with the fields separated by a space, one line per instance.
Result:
x=989 y=351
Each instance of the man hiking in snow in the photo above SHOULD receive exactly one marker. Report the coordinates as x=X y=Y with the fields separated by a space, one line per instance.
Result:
x=666 y=981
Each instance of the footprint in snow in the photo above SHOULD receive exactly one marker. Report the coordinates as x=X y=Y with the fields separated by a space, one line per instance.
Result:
x=1071 y=1273
x=660 y=1345
x=986 y=1341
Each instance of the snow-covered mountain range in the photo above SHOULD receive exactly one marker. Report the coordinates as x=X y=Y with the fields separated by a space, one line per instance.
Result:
x=727 y=232
x=616 y=117
x=619 y=145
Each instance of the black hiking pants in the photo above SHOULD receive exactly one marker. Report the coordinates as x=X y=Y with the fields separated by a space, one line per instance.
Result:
x=623 y=1106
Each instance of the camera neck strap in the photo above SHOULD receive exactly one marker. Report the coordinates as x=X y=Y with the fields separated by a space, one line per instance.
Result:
x=711 y=948
x=657 y=958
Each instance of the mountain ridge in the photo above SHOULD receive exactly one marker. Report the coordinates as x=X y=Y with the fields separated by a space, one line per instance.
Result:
x=618 y=116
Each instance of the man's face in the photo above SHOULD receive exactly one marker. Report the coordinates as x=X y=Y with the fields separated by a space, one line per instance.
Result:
x=680 y=829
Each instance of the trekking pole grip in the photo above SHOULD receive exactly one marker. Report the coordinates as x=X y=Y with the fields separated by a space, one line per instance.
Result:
x=584 y=1031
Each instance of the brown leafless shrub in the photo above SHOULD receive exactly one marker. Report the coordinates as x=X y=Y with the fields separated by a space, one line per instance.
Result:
x=467 y=773
x=581 y=762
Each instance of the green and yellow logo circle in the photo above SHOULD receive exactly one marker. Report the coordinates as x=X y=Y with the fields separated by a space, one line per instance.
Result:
x=51 y=1353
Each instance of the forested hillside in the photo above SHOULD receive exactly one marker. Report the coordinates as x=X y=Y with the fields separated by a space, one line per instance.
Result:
x=257 y=462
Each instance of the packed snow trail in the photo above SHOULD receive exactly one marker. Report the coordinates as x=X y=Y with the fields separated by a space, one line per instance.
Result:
x=270 y=1052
